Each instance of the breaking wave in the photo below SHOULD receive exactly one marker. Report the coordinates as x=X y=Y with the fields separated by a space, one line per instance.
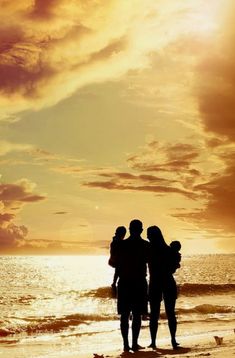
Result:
x=207 y=309
x=50 y=324
x=186 y=289
x=191 y=289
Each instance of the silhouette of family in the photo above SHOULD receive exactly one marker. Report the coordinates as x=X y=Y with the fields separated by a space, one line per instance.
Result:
x=131 y=258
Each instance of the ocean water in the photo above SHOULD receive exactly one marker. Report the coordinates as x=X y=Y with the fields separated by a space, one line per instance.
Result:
x=56 y=306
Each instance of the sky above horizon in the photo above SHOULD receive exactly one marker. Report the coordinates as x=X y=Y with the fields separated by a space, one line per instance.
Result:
x=114 y=112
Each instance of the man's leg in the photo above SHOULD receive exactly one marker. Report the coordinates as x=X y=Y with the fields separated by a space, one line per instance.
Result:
x=124 y=325
x=153 y=324
x=136 y=324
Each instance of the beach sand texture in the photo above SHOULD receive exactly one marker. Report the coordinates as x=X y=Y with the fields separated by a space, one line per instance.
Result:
x=193 y=347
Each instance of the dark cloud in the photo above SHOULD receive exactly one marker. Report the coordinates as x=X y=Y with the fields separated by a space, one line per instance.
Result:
x=141 y=177
x=12 y=198
x=7 y=217
x=166 y=158
x=110 y=50
x=214 y=142
x=12 y=236
x=9 y=36
x=217 y=103
x=183 y=151
x=218 y=212
x=49 y=49
x=220 y=209
x=44 y=9
x=23 y=72
x=60 y=212
x=176 y=162
x=18 y=193
x=216 y=90
x=216 y=98
x=140 y=186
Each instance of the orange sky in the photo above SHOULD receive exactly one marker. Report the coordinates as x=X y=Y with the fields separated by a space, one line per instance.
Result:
x=115 y=112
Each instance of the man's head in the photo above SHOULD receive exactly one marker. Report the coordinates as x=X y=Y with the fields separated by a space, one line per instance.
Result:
x=136 y=227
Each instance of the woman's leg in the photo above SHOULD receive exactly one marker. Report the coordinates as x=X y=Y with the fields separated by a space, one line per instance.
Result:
x=153 y=324
x=115 y=277
x=172 y=322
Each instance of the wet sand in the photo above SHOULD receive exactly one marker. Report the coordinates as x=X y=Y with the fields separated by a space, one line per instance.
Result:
x=193 y=346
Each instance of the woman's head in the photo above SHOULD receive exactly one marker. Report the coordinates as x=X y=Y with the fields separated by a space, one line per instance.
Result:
x=155 y=236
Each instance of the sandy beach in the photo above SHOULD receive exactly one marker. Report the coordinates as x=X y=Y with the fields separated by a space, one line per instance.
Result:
x=193 y=346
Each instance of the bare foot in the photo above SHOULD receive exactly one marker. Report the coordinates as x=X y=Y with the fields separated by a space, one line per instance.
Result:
x=153 y=346
x=175 y=344
x=137 y=347
x=126 y=349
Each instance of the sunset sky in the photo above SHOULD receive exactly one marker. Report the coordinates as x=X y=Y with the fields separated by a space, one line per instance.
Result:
x=114 y=110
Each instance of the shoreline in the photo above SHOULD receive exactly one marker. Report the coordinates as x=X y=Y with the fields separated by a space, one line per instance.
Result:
x=198 y=344
x=192 y=347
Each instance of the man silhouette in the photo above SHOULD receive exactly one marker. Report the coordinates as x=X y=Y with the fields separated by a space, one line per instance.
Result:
x=132 y=285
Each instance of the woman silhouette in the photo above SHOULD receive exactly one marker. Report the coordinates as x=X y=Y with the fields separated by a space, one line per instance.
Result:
x=162 y=284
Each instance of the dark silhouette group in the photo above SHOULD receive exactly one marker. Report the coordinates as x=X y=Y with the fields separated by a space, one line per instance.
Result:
x=131 y=258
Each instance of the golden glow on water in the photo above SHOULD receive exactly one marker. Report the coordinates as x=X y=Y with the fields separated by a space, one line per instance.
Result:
x=61 y=300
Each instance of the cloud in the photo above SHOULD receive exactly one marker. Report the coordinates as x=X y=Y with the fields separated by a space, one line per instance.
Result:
x=45 y=247
x=134 y=177
x=177 y=164
x=202 y=173
x=59 y=43
x=44 y=155
x=166 y=157
x=216 y=98
x=158 y=189
x=13 y=153
x=68 y=169
x=8 y=147
x=19 y=192
x=12 y=198
x=12 y=236
x=161 y=168
x=219 y=210
x=38 y=154
x=51 y=48
x=217 y=86
x=7 y=217
x=44 y=10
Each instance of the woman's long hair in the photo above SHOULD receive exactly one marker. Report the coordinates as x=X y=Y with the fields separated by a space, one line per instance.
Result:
x=155 y=237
